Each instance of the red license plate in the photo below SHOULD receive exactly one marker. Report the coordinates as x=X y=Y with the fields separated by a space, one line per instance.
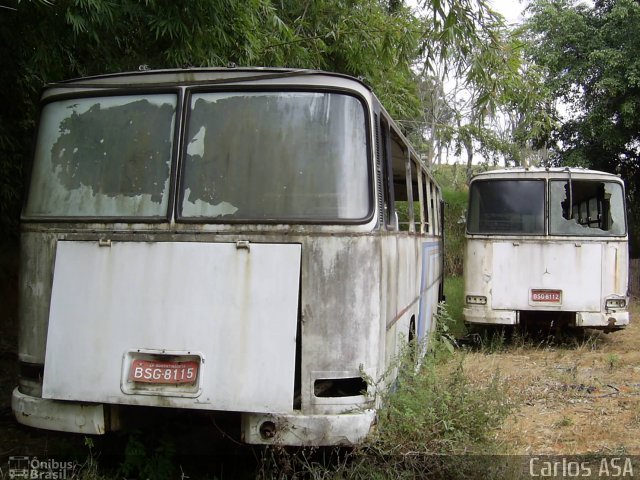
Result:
x=165 y=372
x=547 y=296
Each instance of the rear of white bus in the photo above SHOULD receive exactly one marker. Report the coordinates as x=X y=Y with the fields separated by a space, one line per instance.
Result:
x=547 y=246
x=207 y=248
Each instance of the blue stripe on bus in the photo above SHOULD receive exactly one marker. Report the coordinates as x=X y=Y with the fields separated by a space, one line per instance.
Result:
x=426 y=307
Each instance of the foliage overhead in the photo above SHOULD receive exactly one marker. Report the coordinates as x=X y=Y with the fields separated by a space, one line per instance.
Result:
x=498 y=106
x=381 y=41
x=588 y=55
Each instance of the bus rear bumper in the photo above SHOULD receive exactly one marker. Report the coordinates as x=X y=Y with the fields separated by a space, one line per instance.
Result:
x=606 y=321
x=490 y=317
x=57 y=415
x=307 y=430
x=609 y=320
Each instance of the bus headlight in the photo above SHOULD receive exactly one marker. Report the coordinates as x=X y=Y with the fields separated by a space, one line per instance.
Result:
x=476 y=300
x=615 y=303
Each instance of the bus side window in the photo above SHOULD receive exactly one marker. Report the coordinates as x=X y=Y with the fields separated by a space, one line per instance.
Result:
x=435 y=208
x=439 y=204
x=406 y=206
x=428 y=215
x=390 y=216
x=422 y=201
x=399 y=180
x=412 y=194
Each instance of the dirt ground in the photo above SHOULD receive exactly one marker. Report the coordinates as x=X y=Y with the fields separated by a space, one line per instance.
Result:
x=580 y=395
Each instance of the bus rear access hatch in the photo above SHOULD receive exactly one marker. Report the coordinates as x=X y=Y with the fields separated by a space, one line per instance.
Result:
x=182 y=324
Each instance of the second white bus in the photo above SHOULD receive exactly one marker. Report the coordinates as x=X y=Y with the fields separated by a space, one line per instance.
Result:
x=547 y=244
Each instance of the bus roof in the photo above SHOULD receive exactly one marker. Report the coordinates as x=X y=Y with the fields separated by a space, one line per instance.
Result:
x=208 y=75
x=545 y=172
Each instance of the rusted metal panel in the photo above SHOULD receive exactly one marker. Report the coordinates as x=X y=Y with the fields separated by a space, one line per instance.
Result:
x=345 y=308
x=431 y=276
x=36 y=274
x=235 y=308
x=340 y=313
x=404 y=280
x=349 y=428
x=577 y=275
x=615 y=269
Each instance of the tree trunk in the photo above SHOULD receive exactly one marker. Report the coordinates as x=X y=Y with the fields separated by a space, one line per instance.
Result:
x=469 y=148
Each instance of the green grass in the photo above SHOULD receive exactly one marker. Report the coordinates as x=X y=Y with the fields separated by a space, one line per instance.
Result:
x=435 y=420
x=455 y=197
x=454 y=293
x=454 y=229
x=434 y=424
x=452 y=179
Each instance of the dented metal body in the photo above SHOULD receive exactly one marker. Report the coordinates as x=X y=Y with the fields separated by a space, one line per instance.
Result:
x=277 y=298
x=547 y=244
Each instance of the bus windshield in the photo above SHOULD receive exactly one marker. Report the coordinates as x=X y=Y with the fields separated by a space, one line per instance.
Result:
x=586 y=207
x=506 y=207
x=103 y=157
x=276 y=156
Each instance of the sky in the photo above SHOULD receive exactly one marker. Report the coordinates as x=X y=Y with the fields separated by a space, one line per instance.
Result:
x=510 y=9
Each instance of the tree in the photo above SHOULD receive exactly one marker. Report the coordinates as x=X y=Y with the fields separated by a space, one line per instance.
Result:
x=379 y=40
x=485 y=98
x=82 y=37
x=590 y=62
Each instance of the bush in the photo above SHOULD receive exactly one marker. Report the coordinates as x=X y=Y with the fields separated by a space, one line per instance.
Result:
x=435 y=422
x=454 y=229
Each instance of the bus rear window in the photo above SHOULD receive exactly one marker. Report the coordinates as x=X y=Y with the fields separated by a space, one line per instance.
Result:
x=103 y=157
x=275 y=156
x=506 y=207
x=586 y=207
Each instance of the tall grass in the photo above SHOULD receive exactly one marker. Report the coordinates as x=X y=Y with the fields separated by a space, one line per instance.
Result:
x=454 y=230
x=436 y=411
x=434 y=424
x=452 y=179
x=454 y=293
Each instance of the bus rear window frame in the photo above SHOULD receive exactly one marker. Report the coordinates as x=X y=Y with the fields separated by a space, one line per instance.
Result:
x=588 y=179
x=95 y=92
x=544 y=231
x=179 y=218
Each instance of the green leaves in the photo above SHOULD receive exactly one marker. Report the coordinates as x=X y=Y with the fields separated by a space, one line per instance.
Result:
x=588 y=58
x=382 y=41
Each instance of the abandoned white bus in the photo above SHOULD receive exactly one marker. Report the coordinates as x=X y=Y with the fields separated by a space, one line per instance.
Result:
x=221 y=240
x=547 y=245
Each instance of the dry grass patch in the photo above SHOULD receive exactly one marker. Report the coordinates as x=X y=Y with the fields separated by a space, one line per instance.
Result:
x=581 y=396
